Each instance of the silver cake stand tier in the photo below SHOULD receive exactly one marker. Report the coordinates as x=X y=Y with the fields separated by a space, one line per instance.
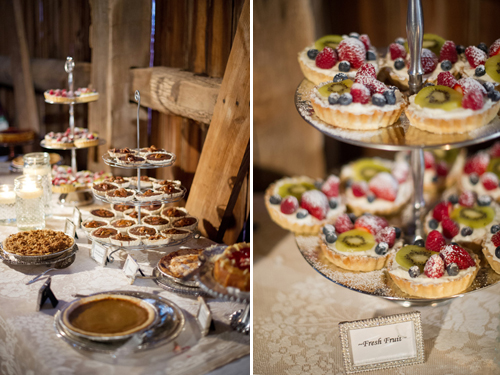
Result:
x=115 y=248
x=144 y=203
x=112 y=162
x=44 y=144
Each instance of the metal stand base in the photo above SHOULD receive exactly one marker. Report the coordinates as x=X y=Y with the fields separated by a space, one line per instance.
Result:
x=76 y=199
x=240 y=320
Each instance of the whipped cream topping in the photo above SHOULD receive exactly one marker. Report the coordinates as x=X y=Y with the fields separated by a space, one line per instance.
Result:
x=457 y=113
x=478 y=188
x=469 y=71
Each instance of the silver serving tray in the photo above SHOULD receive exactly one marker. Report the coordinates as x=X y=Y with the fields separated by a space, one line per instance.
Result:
x=113 y=163
x=68 y=257
x=135 y=202
x=143 y=246
x=35 y=258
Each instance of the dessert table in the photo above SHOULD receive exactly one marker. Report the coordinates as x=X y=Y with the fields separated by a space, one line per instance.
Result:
x=297 y=311
x=28 y=340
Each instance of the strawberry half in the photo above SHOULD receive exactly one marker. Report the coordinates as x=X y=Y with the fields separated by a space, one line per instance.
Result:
x=434 y=267
x=331 y=186
x=467 y=199
x=456 y=254
x=360 y=93
x=450 y=228
x=384 y=186
x=475 y=56
x=477 y=163
x=387 y=235
x=397 y=50
x=446 y=79
x=343 y=224
x=352 y=50
x=371 y=223
x=442 y=211
x=495 y=48
x=448 y=52
x=316 y=203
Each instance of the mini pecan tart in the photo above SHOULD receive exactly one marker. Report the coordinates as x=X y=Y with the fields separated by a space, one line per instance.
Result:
x=123 y=225
x=103 y=214
x=170 y=191
x=123 y=239
x=157 y=222
x=130 y=160
x=124 y=152
x=119 y=208
x=121 y=195
x=147 y=150
x=159 y=183
x=187 y=223
x=103 y=234
x=158 y=158
x=157 y=239
x=146 y=181
x=133 y=214
x=174 y=213
x=90 y=225
x=153 y=209
x=175 y=234
x=149 y=195
x=118 y=181
x=102 y=188
x=142 y=231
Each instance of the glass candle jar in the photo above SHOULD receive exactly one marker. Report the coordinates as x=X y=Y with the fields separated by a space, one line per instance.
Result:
x=38 y=164
x=7 y=204
x=29 y=202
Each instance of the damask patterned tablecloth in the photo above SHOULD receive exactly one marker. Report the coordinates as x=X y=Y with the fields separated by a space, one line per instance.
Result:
x=28 y=341
x=297 y=311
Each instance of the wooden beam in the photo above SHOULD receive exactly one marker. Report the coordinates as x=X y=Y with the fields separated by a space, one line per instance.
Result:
x=226 y=142
x=173 y=91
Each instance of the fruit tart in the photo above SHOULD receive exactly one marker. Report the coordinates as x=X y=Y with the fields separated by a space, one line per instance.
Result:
x=232 y=267
x=333 y=54
x=80 y=95
x=419 y=271
x=87 y=140
x=360 y=104
x=483 y=63
x=299 y=205
x=362 y=245
x=491 y=248
x=377 y=186
x=452 y=106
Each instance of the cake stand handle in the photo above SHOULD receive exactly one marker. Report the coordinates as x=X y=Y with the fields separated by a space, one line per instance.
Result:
x=418 y=169
x=414 y=33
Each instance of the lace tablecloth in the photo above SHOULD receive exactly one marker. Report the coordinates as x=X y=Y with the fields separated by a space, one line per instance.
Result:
x=28 y=341
x=297 y=311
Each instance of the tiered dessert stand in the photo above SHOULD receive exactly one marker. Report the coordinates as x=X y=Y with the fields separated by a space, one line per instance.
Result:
x=399 y=137
x=80 y=197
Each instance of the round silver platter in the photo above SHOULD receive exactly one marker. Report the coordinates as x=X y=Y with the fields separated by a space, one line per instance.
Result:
x=51 y=147
x=73 y=102
x=205 y=278
x=112 y=162
x=378 y=283
x=142 y=246
x=400 y=136
x=146 y=203
x=168 y=326
x=170 y=284
x=40 y=259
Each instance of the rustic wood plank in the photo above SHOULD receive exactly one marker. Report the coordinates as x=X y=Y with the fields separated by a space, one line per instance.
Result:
x=219 y=38
x=197 y=62
x=226 y=141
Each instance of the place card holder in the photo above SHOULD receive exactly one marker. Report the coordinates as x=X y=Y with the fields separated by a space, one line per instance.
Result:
x=99 y=254
x=130 y=268
x=77 y=217
x=46 y=293
x=204 y=317
x=70 y=228
x=383 y=342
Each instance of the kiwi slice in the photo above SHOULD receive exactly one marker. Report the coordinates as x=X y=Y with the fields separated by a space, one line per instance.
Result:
x=492 y=66
x=474 y=217
x=494 y=166
x=366 y=169
x=338 y=87
x=430 y=41
x=331 y=41
x=355 y=240
x=412 y=255
x=295 y=189
x=438 y=96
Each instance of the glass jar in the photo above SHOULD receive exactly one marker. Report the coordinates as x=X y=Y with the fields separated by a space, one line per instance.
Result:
x=38 y=164
x=29 y=202
x=7 y=204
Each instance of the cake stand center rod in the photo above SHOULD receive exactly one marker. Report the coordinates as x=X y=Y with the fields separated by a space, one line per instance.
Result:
x=138 y=99
x=418 y=170
x=68 y=67
x=415 y=33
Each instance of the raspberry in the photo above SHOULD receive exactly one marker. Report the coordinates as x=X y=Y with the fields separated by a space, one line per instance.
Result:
x=366 y=41
x=352 y=50
x=429 y=61
x=397 y=50
x=384 y=186
x=326 y=58
x=495 y=48
x=360 y=93
x=448 y=52
x=343 y=224
x=496 y=239
x=387 y=235
x=473 y=100
x=475 y=56
x=289 y=205
x=489 y=180
x=435 y=241
x=371 y=223
x=446 y=79
x=366 y=70
x=316 y=203
x=434 y=267
x=477 y=163
x=376 y=87
x=467 y=199
x=401 y=171
x=331 y=186
x=429 y=160
x=468 y=84
x=442 y=169
x=456 y=254
x=450 y=228
x=442 y=211
x=495 y=150
x=359 y=189
x=51 y=92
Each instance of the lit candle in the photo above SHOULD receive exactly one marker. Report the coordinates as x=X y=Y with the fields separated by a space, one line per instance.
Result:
x=7 y=197
x=29 y=190
x=37 y=171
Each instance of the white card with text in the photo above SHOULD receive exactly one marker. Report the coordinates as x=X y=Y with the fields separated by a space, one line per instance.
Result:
x=99 y=253
x=77 y=217
x=204 y=316
x=70 y=228
x=131 y=267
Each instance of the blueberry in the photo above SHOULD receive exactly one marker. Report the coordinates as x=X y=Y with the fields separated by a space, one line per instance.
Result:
x=348 y=183
x=400 y=41
x=333 y=203
x=452 y=269
x=435 y=179
x=494 y=95
x=318 y=184
x=483 y=47
x=419 y=242
x=480 y=71
x=473 y=178
x=344 y=66
x=497 y=252
x=312 y=53
x=399 y=63
x=484 y=200
x=398 y=232
x=275 y=199
x=370 y=56
x=354 y=35
x=466 y=231
x=488 y=86
x=414 y=271
x=340 y=77
x=429 y=84
x=382 y=248
x=433 y=224
x=446 y=65
x=460 y=49
x=494 y=229
x=301 y=213
x=390 y=97
x=454 y=244
x=453 y=199
x=370 y=198
x=328 y=228
x=345 y=99
x=333 y=98
x=331 y=237
x=352 y=217
x=379 y=100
